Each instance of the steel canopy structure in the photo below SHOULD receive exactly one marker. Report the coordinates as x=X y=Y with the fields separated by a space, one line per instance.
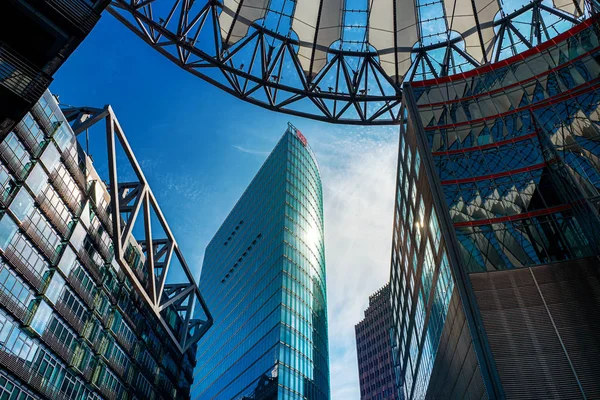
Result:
x=341 y=61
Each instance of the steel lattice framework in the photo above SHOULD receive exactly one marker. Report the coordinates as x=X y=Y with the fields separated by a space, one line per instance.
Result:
x=256 y=49
x=163 y=279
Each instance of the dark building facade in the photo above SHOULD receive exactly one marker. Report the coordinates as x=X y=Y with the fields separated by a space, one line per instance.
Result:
x=374 y=353
x=35 y=39
x=495 y=270
x=76 y=319
x=264 y=281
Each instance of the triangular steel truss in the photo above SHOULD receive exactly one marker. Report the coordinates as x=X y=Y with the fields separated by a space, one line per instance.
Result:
x=263 y=68
x=172 y=294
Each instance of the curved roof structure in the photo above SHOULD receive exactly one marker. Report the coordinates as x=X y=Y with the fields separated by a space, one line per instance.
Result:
x=339 y=60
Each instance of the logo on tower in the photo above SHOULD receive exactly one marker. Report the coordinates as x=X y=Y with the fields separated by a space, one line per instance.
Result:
x=301 y=137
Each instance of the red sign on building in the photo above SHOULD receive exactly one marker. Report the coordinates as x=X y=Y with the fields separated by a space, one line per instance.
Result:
x=301 y=137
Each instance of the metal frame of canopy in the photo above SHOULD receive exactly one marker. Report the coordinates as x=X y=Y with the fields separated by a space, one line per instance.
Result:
x=308 y=79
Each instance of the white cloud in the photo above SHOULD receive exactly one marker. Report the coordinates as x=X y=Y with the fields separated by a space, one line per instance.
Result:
x=250 y=151
x=358 y=170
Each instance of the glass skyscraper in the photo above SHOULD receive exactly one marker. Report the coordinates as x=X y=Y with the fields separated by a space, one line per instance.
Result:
x=263 y=278
x=495 y=277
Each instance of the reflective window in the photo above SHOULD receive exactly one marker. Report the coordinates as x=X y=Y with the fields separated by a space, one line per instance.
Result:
x=22 y=205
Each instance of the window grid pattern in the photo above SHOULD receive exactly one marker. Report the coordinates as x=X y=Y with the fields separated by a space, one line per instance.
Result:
x=421 y=281
x=68 y=317
x=264 y=281
x=515 y=150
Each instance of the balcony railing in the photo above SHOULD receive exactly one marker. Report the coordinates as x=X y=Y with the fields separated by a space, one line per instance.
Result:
x=6 y=195
x=108 y=393
x=57 y=345
x=27 y=374
x=20 y=77
x=63 y=191
x=105 y=218
x=15 y=307
x=84 y=293
x=91 y=267
x=86 y=371
x=70 y=316
x=118 y=368
x=29 y=140
x=128 y=346
x=105 y=251
x=74 y=169
x=42 y=243
x=78 y=12
x=14 y=163
x=42 y=119
x=49 y=211
x=26 y=270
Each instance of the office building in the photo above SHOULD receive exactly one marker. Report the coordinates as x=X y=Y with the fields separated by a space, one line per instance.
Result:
x=86 y=311
x=36 y=37
x=263 y=279
x=374 y=350
x=495 y=271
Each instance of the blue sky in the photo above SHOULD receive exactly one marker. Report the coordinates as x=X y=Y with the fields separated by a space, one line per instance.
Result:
x=200 y=147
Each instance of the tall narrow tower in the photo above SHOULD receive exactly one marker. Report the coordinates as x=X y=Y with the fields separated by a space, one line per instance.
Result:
x=264 y=277
x=374 y=351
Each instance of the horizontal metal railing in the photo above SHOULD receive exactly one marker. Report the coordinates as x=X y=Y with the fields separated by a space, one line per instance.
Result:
x=20 y=77
x=13 y=162
x=105 y=218
x=105 y=251
x=49 y=210
x=28 y=139
x=15 y=307
x=61 y=188
x=91 y=267
x=57 y=345
x=26 y=270
x=27 y=374
x=42 y=243
x=84 y=293
x=42 y=119
x=81 y=14
x=64 y=310
x=118 y=368
x=128 y=346
x=75 y=170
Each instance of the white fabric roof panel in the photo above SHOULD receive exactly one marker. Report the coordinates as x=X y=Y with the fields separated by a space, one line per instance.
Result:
x=393 y=38
x=318 y=23
x=569 y=6
x=244 y=13
x=460 y=15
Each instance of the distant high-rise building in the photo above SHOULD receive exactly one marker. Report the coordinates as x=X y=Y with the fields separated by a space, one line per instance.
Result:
x=86 y=312
x=495 y=272
x=36 y=37
x=264 y=281
x=374 y=350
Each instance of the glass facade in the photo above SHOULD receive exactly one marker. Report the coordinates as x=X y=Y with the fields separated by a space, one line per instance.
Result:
x=498 y=170
x=421 y=282
x=374 y=352
x=263 y=279
x=71 y=324
x=515 y=148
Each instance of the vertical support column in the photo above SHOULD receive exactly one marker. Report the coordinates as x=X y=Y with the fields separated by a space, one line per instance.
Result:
x=113 y=183
x=149 y=248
